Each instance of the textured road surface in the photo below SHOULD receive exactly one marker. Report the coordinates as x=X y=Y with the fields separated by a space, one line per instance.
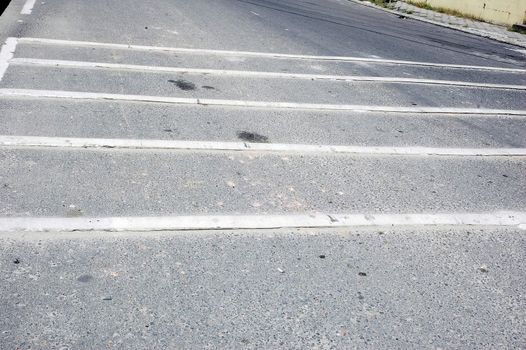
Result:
x=382 y=287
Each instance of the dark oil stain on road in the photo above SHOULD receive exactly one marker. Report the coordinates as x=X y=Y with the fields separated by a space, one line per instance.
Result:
x=252 y=137
x=182 y=84
x=208 y=87
x=84 y=278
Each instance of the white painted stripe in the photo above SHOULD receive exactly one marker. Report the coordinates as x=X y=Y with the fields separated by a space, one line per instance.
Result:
x=29 y=93
x=522 y=51
x=6 y=54
x=261 y=54
x=28 y=7
x=233 y=222
x=256 y=74
x=84 y=143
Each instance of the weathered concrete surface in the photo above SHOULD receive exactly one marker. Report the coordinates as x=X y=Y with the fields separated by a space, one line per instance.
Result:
x=410 y=287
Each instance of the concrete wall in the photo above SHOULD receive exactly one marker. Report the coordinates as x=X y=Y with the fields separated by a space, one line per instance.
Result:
x=496 y=11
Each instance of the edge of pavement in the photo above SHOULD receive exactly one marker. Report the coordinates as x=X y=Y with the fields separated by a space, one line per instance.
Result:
x=483 y=34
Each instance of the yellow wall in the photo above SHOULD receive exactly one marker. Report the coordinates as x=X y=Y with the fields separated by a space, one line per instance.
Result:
x=496 y=11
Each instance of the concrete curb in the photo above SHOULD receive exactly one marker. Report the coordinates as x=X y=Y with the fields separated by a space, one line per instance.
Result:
x=484 y=34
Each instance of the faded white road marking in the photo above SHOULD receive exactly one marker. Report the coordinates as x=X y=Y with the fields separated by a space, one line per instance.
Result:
x=6 y=54
x=261 y=54
x=84 y=143
x=522 y=51
x=28 y=7
x=236 y=222
x=29 y=93
x=256 y=74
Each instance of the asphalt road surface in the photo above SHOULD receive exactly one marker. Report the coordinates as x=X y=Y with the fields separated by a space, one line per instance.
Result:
x=257 y=174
